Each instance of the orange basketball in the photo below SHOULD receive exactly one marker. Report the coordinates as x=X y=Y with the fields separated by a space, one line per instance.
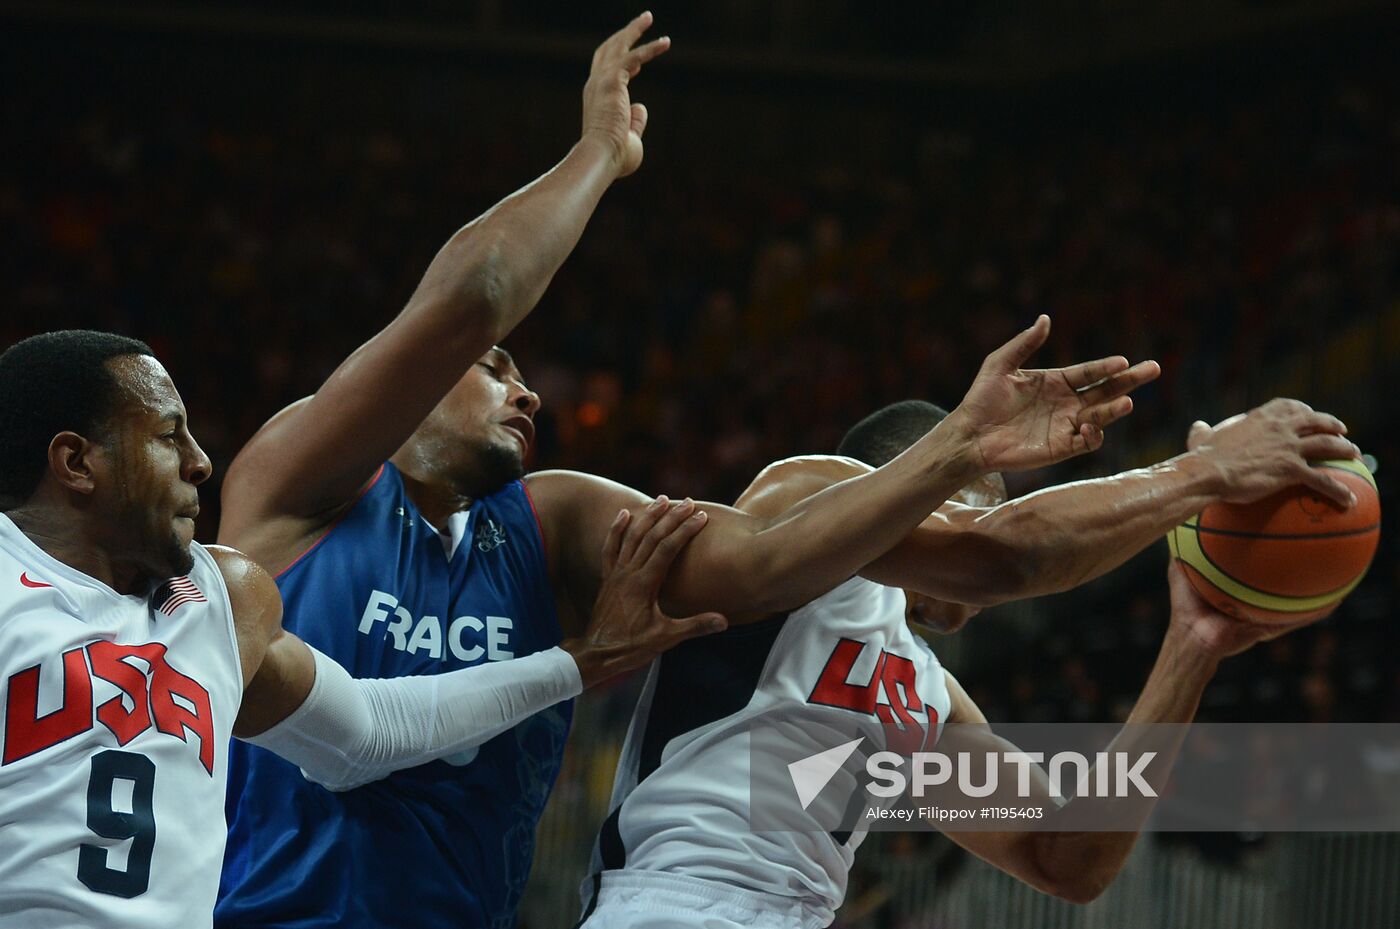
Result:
x=1287 y=558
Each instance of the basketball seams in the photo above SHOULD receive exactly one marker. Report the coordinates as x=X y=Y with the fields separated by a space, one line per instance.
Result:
x=1186 y=547
x=1280 y=507
x=1206 y=550
x=1351 y=466
x=1248 y=612
x=1287 y=536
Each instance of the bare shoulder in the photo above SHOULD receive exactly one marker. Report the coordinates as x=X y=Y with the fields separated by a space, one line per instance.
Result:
x=253 y=595
x=571 y=495
x=783 y=483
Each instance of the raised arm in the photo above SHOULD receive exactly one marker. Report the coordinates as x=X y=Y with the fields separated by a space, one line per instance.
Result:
x=1075 y=865
x=1010 y=419
x=1058 y=538
x=313 y=457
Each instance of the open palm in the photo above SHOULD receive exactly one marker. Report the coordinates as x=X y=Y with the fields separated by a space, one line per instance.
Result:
x=1029 y=418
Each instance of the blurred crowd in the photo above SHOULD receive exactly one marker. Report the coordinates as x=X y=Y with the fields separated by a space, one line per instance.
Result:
x=714 y=320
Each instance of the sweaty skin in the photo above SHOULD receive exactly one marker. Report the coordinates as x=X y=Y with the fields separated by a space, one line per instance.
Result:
x=1058 y=538
x=1078 y=866
x=981 y=550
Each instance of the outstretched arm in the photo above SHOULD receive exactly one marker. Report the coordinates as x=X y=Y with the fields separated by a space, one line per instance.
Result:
x=344 y=732
x=314 y=456
x=1077 y=866
x=1011 y=418
x=1060 y=537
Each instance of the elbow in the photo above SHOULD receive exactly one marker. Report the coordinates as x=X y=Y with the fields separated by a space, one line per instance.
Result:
x=469 y=289
x=1073 y=872
x=1080 y=891
x=1066 y=868
x=488 y=291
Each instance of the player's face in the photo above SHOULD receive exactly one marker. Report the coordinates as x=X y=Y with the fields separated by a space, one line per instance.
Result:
x=485 y=426
x=942 y=616
x=146 y=488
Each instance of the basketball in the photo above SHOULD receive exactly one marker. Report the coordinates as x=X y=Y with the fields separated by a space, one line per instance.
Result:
x=1289 y=557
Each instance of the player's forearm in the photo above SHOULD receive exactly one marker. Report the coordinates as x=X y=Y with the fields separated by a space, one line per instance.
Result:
x=828 y=537
x=1060 y=537
x=350 y=732
x=1079 y=865
x=493 y=271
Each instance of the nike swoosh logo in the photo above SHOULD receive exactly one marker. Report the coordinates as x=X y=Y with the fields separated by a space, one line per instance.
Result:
x=28 y=582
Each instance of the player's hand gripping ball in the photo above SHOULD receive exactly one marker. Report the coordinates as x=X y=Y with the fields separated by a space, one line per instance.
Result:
x=1288 y=558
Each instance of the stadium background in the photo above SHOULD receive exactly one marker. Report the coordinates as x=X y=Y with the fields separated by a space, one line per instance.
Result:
x=843 y=204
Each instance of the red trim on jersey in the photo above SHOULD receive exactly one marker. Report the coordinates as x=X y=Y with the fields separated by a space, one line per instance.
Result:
x=335 y=522
x=525 y=486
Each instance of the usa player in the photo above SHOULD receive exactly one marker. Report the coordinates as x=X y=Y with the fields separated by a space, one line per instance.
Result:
x=677 y=841
x=390 y=507
x=126 y=650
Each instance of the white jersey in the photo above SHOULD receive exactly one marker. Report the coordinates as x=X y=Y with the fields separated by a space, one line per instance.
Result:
x=113 y=744
x=680 y=803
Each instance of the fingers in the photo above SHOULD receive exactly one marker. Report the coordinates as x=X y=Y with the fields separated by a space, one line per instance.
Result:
x=1319 y=481
x=694 y=626
x=1183 y=595
x=1015 y=352
x=643 y=54
x=612 y=545
x=1088 y=373
x=658 y=561
x=1197 y=435
x=618 y=46
x=1089 y=438
x=628 y=35
x=671 y=519
x=1322 y=447
x=641 y=525
x=1115 y=385
x=1177 y=581
x=1104 y=415
x=1315 y=423
x=639 y=118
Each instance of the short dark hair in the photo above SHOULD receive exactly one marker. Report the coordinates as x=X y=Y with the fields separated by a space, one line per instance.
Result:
x=887 y=432
x=51 y=383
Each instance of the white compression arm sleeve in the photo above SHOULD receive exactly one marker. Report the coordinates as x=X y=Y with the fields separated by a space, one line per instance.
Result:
x=349 y=732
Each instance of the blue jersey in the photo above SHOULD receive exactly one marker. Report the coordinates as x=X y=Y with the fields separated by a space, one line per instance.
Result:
x=445 y=844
